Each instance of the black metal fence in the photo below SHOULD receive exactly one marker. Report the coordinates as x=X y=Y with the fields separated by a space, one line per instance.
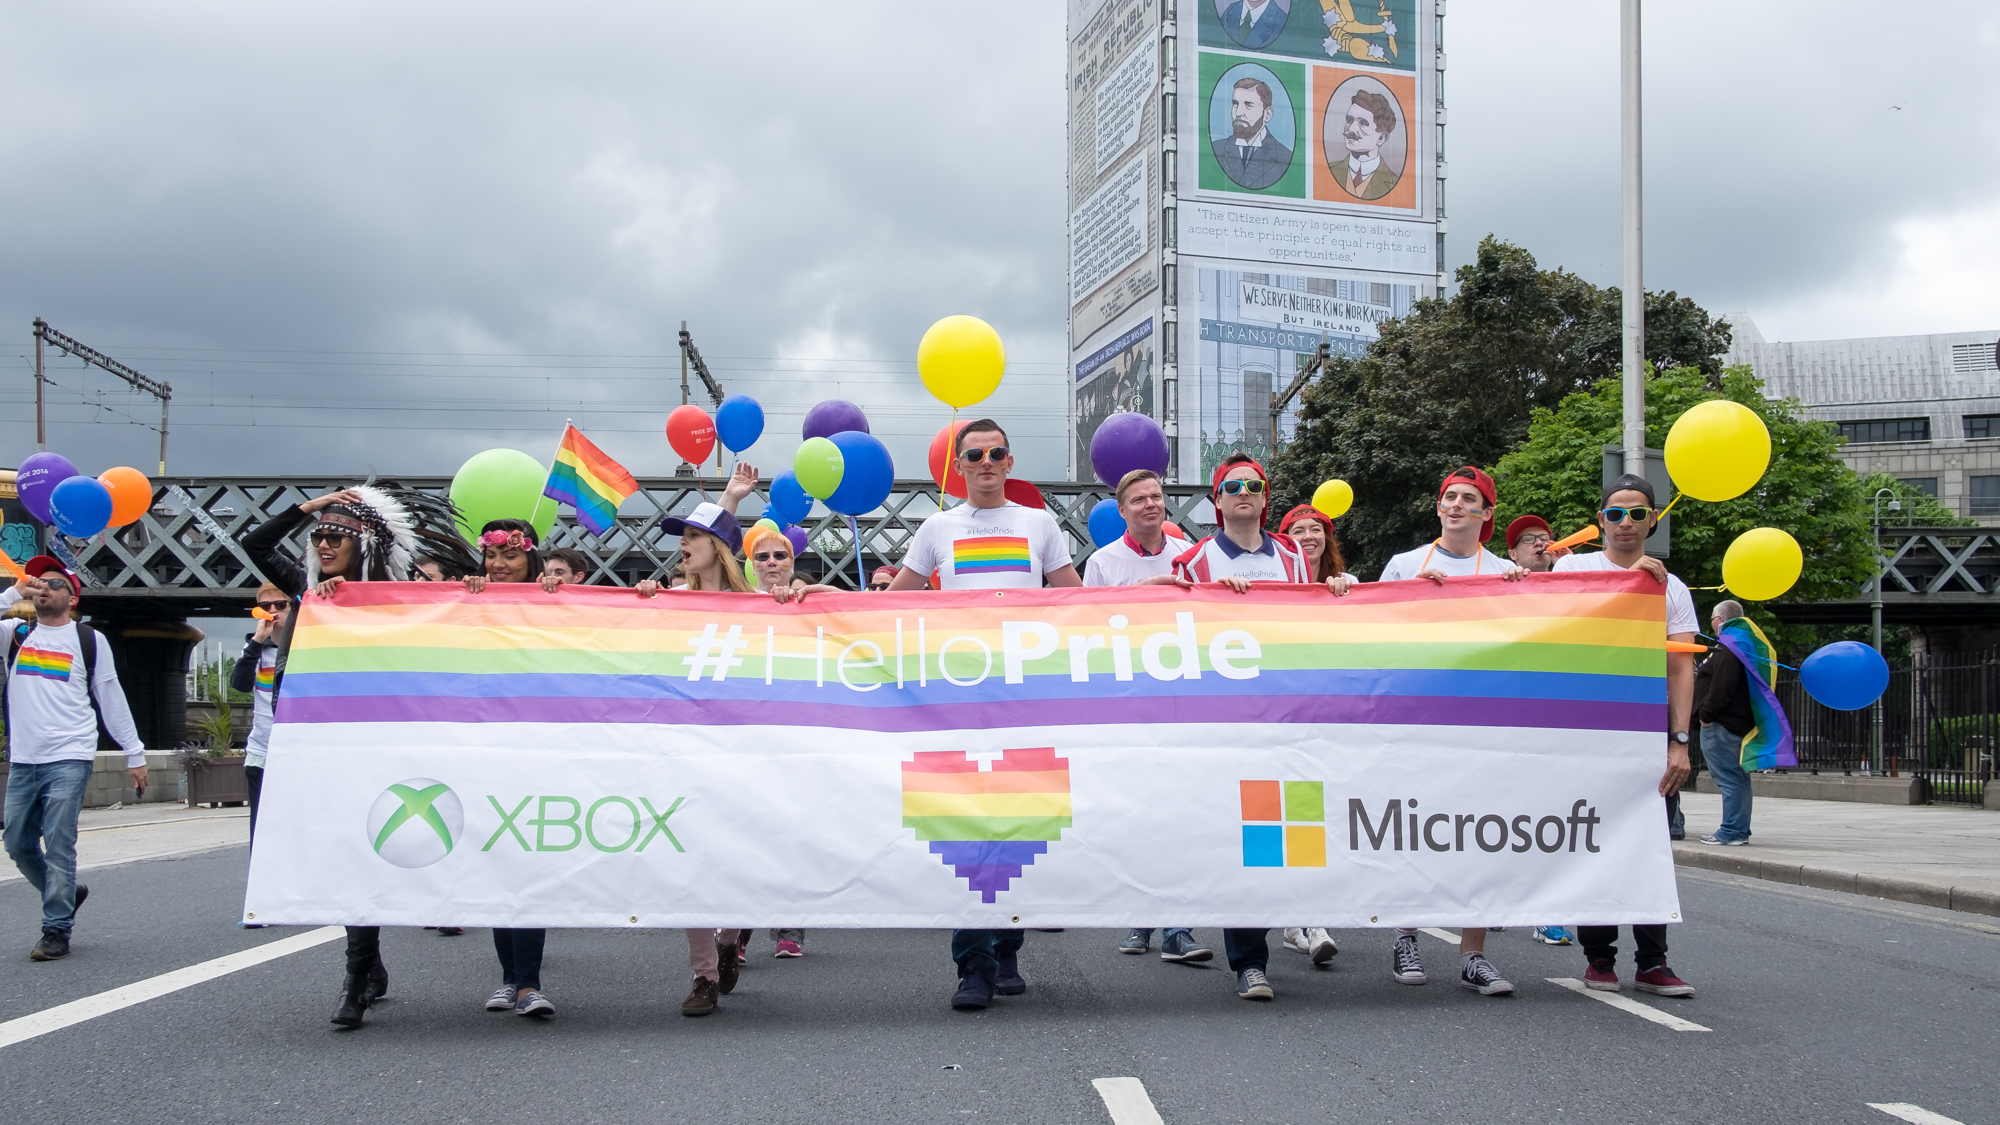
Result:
x=1938 y=722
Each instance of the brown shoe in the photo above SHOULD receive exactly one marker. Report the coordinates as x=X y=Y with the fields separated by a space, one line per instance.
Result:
x=701 y=1000
x=725 y=966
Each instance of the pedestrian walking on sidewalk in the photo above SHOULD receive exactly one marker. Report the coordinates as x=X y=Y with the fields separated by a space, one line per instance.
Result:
x=1722 y=705
x=62 y=689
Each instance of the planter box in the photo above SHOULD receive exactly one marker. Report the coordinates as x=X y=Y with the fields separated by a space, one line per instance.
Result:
x=1831 y=787
x=217 y=781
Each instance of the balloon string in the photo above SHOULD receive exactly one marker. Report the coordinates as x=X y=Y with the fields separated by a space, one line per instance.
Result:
x=860 y=571
x=1671 y=503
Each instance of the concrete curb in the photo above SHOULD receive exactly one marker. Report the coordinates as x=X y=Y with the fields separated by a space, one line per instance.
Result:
x=1937 y=895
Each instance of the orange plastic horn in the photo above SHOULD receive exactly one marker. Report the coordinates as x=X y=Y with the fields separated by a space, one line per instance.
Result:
x=262 y=614
x=1683 y=646
x=12 y=566
x=1584 y=536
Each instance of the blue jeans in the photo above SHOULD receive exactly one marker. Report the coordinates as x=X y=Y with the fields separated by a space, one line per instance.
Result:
x=976 y=950
x=42 y=803
x=520 y=957
x=1724 y=754
x=1246 y=949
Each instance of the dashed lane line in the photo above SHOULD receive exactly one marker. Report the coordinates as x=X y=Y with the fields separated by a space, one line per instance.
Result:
x=1128 y=1102
x=1915 y=1114
x=1626 y=1004
x=104 y=1003
x=1442 y=935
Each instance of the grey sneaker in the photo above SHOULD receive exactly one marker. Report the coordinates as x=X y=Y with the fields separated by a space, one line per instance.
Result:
x=1184 y=949
x=532 y=1003
x=1480 y=976
x=1252 y=984
x=1136 y=942
x=1320 y=946
x=502 y=1001
x=1405 y=963
x=1717 y=841
x=54 y=946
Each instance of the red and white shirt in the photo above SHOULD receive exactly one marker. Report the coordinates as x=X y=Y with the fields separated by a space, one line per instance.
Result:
x=1123 y=562
x=1216 y=557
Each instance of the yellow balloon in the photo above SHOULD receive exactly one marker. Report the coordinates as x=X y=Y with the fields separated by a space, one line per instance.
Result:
x=1718 y=450
x=1333 y=498
x=960 y=360
x=1762 y=564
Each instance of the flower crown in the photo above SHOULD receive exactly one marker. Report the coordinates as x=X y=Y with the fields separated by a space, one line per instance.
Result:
x=512 y=539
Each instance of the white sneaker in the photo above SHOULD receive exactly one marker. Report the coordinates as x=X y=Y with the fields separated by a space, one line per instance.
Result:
x=1295 y=940
x=1322 y=948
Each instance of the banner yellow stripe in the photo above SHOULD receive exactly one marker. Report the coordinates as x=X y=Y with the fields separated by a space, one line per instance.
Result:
x=986 y=804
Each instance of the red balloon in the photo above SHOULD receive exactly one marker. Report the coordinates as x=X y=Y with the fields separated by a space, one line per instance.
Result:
x=692 y=433
x=1025 y=494
x=941 y=458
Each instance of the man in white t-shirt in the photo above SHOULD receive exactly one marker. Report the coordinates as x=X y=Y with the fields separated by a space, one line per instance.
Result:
x=1627 y=514
x=1465 y=522
x=57 y=691
x=987 y=543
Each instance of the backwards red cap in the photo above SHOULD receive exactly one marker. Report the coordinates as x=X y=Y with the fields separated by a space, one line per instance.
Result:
x=41 y=565
x=1474 y=476
x=1221 y=470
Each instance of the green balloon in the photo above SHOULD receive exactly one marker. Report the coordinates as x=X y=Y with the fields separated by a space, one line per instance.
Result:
x=768 y=522
x=819 y=466
x=502 y=484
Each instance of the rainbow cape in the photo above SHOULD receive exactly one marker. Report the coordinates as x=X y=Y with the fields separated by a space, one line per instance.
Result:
x=1769 y=743
x=588 y=480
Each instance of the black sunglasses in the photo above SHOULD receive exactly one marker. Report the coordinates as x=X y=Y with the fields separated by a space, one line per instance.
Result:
x=274 y=607
x=975 y=456
x=878 y=585
x=324 y=539
x=1232 y=487
x=1619 y=515
x=771 y=556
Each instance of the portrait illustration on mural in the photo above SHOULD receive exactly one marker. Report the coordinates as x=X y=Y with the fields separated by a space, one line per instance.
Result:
x=1253 y=24
x=1250 y=123
x=1366 y=137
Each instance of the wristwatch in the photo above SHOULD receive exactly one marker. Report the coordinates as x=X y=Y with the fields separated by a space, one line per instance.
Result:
x=1679 y=736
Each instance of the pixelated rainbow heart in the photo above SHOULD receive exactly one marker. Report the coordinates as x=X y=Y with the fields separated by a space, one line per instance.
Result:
x=987 y=825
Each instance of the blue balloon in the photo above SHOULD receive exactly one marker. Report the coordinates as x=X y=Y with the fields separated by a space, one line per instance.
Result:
x=789 y=502
x=870 y=473
x=1106 y=525
x=739 y=422
x=1845 y=675
x=80 y=507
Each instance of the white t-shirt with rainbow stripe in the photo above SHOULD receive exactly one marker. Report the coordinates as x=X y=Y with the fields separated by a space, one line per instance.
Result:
x=1006 y=548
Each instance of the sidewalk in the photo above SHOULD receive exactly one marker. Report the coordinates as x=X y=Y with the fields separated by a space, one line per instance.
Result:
x=1946 y=856
x=106 y=837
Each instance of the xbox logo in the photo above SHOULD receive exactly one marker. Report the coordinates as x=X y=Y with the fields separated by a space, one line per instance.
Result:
x=415 y=823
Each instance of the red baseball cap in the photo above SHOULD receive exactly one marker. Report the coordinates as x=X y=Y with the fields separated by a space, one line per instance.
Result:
x=1477 y=478
x=1215 y=481
x=1303 y=512
x=1525 y=523
x=42 y=564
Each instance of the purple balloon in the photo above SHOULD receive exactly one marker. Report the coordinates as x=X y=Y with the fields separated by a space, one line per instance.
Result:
x=831 y=417
x=1127 y=441
x=37 y=477
x=796 y=536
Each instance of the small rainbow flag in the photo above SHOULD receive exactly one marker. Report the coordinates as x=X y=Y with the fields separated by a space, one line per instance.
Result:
x=990 y=554
x=586 y=479
x=987 y=825
x=44 y=663
x=267 y=678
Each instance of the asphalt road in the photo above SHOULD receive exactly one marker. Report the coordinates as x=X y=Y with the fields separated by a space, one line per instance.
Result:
x=1818 y=1004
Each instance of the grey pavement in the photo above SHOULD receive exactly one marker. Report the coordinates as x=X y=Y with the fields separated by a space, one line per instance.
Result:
x=1935 y=855
x=110 y=836
x=1818 y=1003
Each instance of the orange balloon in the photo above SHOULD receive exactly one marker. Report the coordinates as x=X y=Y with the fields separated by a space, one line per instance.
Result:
x=131 y=494
x=954 y=480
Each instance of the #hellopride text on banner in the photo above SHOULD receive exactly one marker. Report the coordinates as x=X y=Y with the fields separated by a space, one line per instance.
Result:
x=1482 y=754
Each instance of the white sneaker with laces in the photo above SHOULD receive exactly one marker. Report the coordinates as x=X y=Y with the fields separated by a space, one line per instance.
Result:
x=1295 y=939
x=1321 y=947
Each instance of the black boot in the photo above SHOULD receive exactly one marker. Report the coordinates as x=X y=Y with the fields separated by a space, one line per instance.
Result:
x=378 y=980
x=353 y=1000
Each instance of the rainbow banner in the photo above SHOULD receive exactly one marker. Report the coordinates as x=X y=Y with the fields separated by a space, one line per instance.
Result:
x=1485 y=753
x=588 y=480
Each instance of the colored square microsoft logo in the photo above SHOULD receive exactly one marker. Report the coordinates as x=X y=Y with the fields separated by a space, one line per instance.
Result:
x=1273 y=835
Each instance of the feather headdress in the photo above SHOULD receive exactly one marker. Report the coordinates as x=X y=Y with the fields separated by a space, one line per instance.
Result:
x=391 y=527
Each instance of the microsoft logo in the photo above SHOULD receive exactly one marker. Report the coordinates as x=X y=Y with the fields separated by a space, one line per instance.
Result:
x=1285 y=823
x=415 y=823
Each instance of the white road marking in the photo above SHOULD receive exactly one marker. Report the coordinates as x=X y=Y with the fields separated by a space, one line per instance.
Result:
x=104 y=1003
x=1915 y=1114
x=1626 y=1004
x=1442 y=935
x=1129 y=1104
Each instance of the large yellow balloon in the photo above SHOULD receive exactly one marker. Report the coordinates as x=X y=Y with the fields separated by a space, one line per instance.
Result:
x=960 y=360
x=1718 y=450
x=1333 y=498
x=1762 y=564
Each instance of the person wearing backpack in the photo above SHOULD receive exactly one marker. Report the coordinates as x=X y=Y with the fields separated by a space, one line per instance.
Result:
x=54 y=710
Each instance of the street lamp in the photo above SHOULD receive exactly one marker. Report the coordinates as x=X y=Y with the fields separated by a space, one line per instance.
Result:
x=1875 y=616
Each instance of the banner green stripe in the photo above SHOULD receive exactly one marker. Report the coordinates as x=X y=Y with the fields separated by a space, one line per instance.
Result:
x=987 y=827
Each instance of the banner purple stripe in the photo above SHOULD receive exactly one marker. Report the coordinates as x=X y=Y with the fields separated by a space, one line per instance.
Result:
x=1402 y=710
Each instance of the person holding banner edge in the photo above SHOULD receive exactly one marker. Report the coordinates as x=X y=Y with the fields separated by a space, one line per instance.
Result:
x=1627 y=515
x=987 y=543
x=1466 y=499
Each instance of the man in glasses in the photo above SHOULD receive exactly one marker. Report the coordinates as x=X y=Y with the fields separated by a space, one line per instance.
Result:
x=987 y=543
x=1465 y=522
x=1528 y=540
x=1627 y=514
x=256 y=672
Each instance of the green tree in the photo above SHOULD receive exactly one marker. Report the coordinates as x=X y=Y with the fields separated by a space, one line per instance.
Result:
x=1808 y=491
x=1455 y=383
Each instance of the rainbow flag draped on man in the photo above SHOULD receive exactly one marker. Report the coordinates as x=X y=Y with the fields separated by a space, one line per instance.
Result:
x=1769 y=743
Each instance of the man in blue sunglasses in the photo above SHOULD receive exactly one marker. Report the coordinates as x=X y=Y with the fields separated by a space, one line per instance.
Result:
x=1627 y=515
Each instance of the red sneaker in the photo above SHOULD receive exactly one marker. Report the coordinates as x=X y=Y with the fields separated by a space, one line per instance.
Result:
x=789 y=949
x=1601 y=976
x=1661 y=981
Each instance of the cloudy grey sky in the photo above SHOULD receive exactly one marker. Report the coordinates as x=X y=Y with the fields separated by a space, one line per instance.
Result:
x=390 y=235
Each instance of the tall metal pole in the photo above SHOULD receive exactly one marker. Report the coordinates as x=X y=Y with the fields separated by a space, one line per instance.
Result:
x=41 y=417
x=684 y=363
x=1634 y=295
x=1875 y=639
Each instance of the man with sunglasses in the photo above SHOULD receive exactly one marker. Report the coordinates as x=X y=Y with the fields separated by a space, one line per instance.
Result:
x=987 y=543
x=879 y=581
x=1627 y=514
x=1465 y=504
x=256 y=672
